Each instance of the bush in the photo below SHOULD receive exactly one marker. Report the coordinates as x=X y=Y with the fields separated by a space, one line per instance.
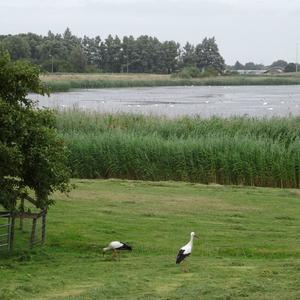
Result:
x=92 y=69
x=189 y=72
x=194 y=72
x=210 y=71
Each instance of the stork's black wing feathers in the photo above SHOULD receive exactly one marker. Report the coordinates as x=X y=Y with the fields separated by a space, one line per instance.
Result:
x=180 y=256
x=125 y=247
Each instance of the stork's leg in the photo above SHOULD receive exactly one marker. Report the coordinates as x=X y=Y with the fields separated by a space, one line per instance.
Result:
x=114 y=254
x=184 y=267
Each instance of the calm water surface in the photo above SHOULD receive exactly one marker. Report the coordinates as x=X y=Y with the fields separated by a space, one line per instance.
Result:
x=176 y=101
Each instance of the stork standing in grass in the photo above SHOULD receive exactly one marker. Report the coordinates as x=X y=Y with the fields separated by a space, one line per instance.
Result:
x=115 y=247
x=184 y=252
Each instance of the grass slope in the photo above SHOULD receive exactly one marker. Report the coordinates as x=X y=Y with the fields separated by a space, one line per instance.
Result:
x=248 y=248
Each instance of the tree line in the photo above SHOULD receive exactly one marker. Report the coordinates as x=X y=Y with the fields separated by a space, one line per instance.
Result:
x=284 y=65
x=144 y=54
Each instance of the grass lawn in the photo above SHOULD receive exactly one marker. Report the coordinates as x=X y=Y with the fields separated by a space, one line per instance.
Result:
x=249 y=244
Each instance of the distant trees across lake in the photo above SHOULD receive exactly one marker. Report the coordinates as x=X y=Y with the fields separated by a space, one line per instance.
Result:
x=144 y=54
x=280 y=64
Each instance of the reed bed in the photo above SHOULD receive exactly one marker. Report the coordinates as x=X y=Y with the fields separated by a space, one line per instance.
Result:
x=238 y=150
x=64 y=83
x=64 y=86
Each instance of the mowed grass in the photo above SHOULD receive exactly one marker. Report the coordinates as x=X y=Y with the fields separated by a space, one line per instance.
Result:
x=249 y=245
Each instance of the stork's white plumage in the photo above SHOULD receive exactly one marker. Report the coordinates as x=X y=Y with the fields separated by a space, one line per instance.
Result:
x=115 y=246
x=186 y=250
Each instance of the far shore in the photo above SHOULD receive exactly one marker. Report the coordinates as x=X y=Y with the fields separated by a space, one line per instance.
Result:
x=63 y=82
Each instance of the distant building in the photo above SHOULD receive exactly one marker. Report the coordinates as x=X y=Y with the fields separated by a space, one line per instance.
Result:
x=274 y=70
x=251 y=72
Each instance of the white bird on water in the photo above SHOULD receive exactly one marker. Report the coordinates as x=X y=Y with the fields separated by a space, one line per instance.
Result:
x=185 y=251
x=115 y=247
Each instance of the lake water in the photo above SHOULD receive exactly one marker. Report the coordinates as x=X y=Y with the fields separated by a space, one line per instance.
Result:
x=176 y=101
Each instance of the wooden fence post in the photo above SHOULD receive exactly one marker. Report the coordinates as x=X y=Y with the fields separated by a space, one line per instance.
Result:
x=44 y=226
x=11 y=233
x=33 y=229
x=21 y=215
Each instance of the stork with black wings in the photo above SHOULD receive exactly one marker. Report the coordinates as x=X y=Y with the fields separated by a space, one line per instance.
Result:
x=184 y=252
x=115 y=247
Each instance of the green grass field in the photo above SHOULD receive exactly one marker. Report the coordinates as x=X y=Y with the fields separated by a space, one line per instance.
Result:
x=60 y=82
x=249 y=246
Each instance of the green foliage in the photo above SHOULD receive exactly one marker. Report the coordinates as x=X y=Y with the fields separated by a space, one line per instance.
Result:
x=260 y=152
x=17 y=80
x=144 y=54
x=253 y=66
x=279 y=63
x=78 y=60
x=238 y=66
x=17 y=46
x=189 y=55
x=210 y=71
x=291 y=67
x=207 y=55
x=32 y=157
x=189 y=72
x=194 y=72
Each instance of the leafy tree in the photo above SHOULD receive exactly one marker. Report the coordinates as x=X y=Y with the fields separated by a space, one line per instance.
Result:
x=143 y=50
x=51 y=35
x=253 y=66
x=170 y=58
x=130 y=55
x=279 y=63
x=113 y=54
x=250 y=66
x=17 y=46
x=207 y=54
x=97 y=52
x=260 y=67
x=238 y=66
x=91 y=48
x=291 y=67
x=32 y=157
x=189 y=55
x=34 y=41
x=78 y=60
x=67 y=34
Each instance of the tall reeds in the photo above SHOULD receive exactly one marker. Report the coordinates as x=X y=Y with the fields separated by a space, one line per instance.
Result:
x=247 y=151
x=64 y=85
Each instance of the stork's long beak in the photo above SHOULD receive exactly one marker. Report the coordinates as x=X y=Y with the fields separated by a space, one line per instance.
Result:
x=196 y=236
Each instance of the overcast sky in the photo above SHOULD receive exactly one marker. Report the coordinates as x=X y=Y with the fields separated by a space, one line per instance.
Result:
x=246 y=30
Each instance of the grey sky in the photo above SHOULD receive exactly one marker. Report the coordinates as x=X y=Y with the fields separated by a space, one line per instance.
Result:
x=245 y=30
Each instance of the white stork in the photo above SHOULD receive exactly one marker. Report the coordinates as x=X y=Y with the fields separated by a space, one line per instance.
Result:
x=185 y=251
x=116 y=246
